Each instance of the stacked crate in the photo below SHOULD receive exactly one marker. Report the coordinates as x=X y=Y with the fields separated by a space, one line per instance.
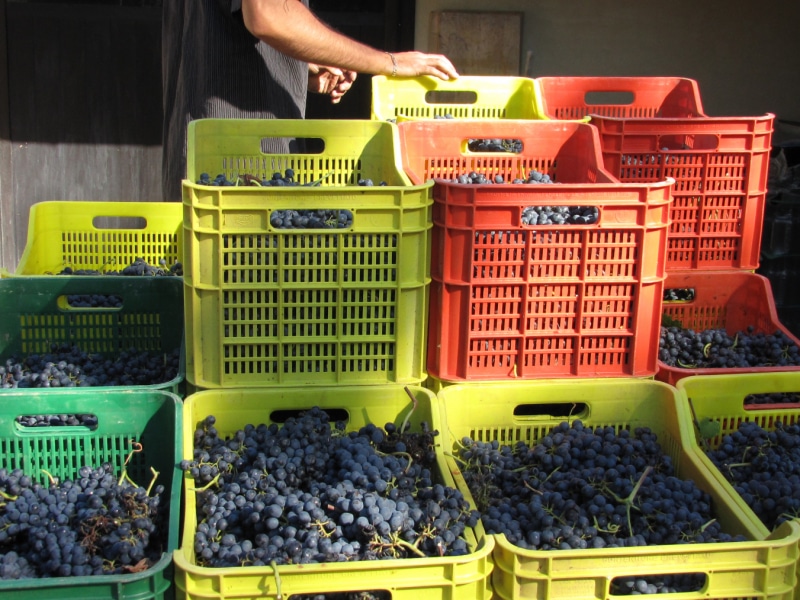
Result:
x=532 y=325
x=283 y=315
x=721 y=167
x=51 y=433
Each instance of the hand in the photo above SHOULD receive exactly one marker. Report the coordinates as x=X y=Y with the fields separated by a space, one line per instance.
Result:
x=412 y=64
x=330 y=80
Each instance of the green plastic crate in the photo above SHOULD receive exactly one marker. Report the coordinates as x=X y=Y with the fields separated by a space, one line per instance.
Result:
x=36 y=314
x=152 y=418
x=468 y=97
x=761 y=567
x=267 y=305
x=99 y=235
x=446 y=578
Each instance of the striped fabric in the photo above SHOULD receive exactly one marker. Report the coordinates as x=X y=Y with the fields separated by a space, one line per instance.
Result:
x=213 y=67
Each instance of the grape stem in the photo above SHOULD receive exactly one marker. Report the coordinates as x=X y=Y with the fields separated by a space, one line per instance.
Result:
x=413 y=408
x=278 y=593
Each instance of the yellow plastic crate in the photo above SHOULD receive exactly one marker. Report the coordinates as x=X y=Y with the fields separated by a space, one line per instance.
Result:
x=761 y=567
x=447 y=578
x=268 y=305
x=99 y=235
x=720 y=399
x=468 y=97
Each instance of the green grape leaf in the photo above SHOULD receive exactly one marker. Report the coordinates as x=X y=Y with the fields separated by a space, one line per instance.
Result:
x=667 y=321
x=708 y=428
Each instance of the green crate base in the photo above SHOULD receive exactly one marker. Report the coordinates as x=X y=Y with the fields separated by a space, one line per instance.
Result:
x=759 y=568
x=447 y=578
x=152 y=418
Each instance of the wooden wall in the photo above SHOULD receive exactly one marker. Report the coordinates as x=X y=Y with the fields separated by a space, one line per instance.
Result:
x=84 y=109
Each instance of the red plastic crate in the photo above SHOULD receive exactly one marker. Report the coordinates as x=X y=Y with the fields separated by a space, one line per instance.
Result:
x=510 y=300
x=658 y=130
x=623 y=97
x=730 y=300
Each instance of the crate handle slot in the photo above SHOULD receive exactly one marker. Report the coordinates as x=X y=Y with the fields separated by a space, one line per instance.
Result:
x=655 y=583
x=451 y=97
x=297 y=145
x=34 y=424
x=77 y=302
x=551 y=410
x=115 y=222
x=281 y=415
x=608 y=97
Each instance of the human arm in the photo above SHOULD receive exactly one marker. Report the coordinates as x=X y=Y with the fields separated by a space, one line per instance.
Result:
x=291 y=28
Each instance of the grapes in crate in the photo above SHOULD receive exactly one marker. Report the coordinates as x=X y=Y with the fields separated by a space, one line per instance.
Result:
x=97 y=523
x=309 y=492
x=582 y=487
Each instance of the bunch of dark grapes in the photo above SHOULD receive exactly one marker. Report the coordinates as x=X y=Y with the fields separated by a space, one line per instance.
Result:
x=495 y=145
x=657 y=584
x=714 y=348
x=138 y=268
x=764 y=468
x=560 y=215
x=58 y=420
x=534 y=177
x=311 y=219
x=66 y=365
x=773 y=398
x=278 y=179
x=95 y=524
x=581 y=487
x=308 y=492
x=678 y=294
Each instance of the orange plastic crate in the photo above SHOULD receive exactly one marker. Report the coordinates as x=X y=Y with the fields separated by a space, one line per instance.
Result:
x=730 y=300
x=621 y=97
x=509 y=300
x=657 y=129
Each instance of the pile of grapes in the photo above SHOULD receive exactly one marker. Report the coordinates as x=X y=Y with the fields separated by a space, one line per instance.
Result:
x=495 y=145
x=560 y=215
x=764 y=468
x=582 y=487
x=311 y=219
x=533 y=177
x=773 y=398
x=308 y=492
x=278 y=179
x=95 y=524
x=66 y=365
x=714 y=348
x=139 y=268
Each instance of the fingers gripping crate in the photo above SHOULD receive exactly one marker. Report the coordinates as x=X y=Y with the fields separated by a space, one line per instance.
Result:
x=151 y=418
x=266 y=304
x=510 y=412
x=100 y=235
x=468 y=97
x=652 y=128
x=729 y=300
x=39 y=312
x=514 y=299
x=449 y=577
